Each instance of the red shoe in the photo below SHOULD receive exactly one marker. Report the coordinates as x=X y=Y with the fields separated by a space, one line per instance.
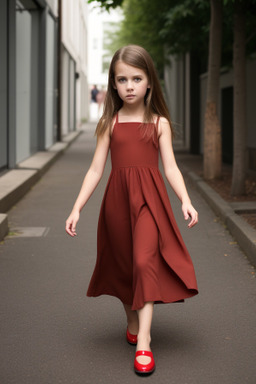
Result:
x=144 y=368
x=131 y=339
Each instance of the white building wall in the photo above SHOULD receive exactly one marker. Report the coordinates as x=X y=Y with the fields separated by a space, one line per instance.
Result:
x=50 y=83
x=65 y=92
x=176 y=80
x=96 y=52
x=74 y=41
x=3 y=85
x=99 y=22
x=53 y=4
x=82 y=99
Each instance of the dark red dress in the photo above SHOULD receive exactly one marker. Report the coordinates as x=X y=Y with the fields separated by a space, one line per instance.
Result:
x=141 y=255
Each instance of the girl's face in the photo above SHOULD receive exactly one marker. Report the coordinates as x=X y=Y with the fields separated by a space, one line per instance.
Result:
x=131 y=83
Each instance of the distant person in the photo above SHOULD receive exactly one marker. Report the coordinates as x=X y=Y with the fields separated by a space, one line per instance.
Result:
x=94 y=93
x=100 y=97
x=141 y=256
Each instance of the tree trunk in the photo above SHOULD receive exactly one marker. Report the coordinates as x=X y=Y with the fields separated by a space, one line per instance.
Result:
x=212 y=129
x=240 y=127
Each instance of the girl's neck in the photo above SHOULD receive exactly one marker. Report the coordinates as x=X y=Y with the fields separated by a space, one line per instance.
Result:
x=131 y=111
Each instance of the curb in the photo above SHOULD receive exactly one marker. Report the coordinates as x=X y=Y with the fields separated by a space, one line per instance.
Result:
x=15 y=183
x=3 y=225
x=239 y=228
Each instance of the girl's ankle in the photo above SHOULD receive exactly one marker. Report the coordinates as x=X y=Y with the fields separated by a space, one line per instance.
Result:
x=144 y=341
x=133 y=327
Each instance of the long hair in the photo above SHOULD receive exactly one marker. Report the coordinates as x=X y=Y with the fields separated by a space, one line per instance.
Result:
x=138 y=57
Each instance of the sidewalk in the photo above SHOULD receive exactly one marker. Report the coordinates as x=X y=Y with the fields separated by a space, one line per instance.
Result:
x=15 y=183
x=228 y=212
x=52 y=333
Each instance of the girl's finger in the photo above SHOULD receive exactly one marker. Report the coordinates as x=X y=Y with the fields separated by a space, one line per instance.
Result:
x=194 y=220
x=74 y=230
x=69 y=229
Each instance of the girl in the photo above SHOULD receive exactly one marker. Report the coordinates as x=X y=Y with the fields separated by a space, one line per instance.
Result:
x=141 y=257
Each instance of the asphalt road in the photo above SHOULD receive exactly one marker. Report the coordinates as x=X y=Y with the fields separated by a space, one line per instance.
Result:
x=52 y=333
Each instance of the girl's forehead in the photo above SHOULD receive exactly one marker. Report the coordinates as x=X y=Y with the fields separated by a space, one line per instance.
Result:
x=122 y=68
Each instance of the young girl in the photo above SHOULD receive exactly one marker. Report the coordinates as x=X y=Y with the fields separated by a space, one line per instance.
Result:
x=141 y=257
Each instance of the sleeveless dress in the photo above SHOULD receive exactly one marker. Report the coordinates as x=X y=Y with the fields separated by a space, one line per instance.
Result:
x=141 y=255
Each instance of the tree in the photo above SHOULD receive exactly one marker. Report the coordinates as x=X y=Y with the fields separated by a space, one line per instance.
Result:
x=107 y=4
x=142 y=27
x=186 y=27
x=243 y=24
x=239 y=62
x=212 y=129
x=163 y=27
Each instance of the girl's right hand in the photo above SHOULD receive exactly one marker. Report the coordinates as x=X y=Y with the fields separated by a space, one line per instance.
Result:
x=71 y=223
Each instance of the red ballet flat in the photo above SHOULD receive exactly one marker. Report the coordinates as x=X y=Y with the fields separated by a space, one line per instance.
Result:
x=144 y=369
x=131 y=339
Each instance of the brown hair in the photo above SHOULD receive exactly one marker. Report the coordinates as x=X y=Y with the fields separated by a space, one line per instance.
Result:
x=138 y=57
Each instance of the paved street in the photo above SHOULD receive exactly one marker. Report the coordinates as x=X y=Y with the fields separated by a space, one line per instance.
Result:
x=52 y=333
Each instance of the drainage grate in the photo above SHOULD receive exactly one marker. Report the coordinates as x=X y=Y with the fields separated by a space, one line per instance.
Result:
x=28 y=232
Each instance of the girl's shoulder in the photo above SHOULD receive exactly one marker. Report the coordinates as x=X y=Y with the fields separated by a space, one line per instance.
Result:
x=161 y=124
x=160 y=119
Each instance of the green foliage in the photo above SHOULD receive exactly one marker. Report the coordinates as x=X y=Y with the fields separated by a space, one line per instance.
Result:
x=249 y=7
x=141 y=24
x=251 y=28
x=107 y=4
x=171 y=26
x=177 y=27
x=186 y=27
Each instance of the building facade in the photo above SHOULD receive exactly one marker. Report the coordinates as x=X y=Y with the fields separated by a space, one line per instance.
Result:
x=74 y=69
x=101 y=24
x=225 y=112
x=30 y=85
x=186 y=91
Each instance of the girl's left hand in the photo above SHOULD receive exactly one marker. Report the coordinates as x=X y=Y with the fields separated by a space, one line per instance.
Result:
x=190 y=212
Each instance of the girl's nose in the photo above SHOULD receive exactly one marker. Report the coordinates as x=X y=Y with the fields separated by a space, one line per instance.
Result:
x=129 y=85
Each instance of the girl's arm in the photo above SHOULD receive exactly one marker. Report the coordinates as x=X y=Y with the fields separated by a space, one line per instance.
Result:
x=173 y=173
x=90 y=182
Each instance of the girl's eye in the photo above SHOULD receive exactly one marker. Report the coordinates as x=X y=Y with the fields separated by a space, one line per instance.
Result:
x=121 y=80
x=137 y=79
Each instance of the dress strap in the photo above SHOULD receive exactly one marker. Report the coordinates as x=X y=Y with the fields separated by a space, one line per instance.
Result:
x=116 y=118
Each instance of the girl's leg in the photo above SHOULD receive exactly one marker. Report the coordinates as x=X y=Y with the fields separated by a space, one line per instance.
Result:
x=132 y=319
x=145 y=264
x=145 y=315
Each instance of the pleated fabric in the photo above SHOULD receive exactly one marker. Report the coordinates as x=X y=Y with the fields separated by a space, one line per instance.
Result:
x=141 y=255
